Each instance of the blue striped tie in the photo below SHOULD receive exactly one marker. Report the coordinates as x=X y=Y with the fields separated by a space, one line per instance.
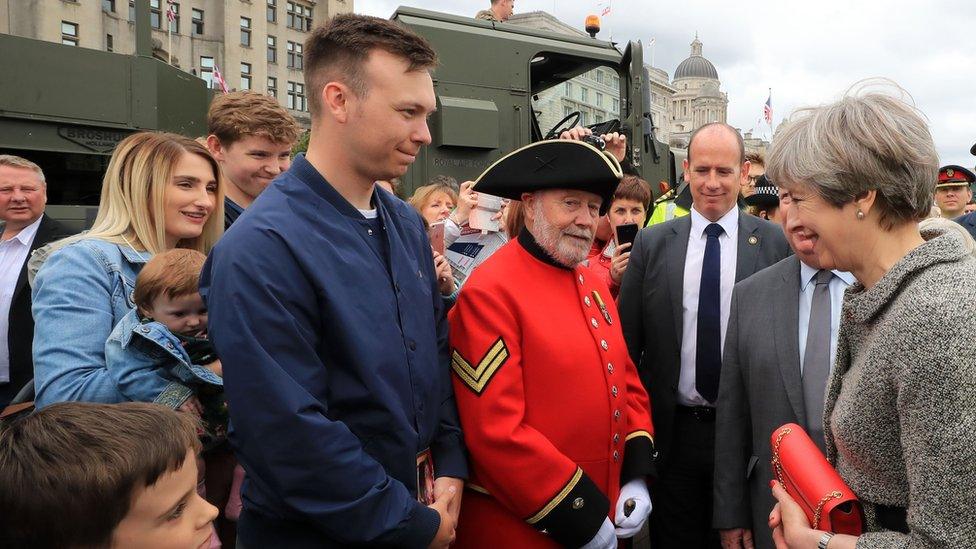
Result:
x=708 y=355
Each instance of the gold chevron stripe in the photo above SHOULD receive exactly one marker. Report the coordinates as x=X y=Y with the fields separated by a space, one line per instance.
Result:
x=636 y=434
x=477 y=378
x=558 y=499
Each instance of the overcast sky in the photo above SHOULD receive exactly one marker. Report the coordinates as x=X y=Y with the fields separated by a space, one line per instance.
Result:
x=807 y=52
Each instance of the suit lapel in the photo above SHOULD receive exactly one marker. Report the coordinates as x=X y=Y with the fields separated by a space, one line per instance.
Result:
x=786 y=310
x=41 y=237
x=747 y=248
x=677 y=249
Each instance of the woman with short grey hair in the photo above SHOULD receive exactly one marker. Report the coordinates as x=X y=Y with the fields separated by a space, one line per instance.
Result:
x=900 y=406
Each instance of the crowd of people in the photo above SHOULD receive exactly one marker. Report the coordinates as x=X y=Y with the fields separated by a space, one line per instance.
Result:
x=256 y=350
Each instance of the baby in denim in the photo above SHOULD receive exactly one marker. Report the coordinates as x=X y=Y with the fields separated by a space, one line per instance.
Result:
x=160 y=353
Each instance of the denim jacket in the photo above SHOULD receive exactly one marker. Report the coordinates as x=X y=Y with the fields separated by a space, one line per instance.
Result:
x=80 y=293
x=149 y=364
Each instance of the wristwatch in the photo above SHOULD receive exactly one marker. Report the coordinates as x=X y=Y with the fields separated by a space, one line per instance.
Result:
x=824 y=540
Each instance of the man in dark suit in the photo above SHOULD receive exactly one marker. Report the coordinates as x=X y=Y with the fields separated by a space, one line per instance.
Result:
x=23 y=195
x=674 y=305
x=781 y=339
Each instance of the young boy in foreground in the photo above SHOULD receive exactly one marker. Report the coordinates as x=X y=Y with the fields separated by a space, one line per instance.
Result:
x=84 y=475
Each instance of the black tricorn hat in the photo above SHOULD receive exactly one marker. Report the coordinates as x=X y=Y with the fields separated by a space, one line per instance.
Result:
x=972 y=151
x=553 y=164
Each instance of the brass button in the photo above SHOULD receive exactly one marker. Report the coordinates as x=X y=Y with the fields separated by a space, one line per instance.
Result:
x=581 y=279
x=578 y=503
x=610 y=367
x=616 y=438
x=594 y=323
x=613 y=390
x=616 y=414
x=616 y=455
x=603 y=343
x=587 y=300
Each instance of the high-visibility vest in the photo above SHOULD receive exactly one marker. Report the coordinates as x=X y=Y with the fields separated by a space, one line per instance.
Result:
x=666 y=211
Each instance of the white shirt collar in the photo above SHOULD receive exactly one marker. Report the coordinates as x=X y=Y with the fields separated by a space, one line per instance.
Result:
x=26 y=235
x=807 y=273
x=729 y=222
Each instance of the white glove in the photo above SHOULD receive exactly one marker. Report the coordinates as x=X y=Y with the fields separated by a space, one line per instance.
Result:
x=605 y=538
x=636 y=490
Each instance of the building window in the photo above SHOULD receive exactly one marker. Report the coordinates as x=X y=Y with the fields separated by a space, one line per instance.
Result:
x=246 y=31
x=569 y=89
x=582 y=119
x=132 y=10
x=584 y=95
x=616 y=82
x=299 y=16
x=196 y=17
x=174 y=23
x=69 y=33
x=599 y=99
x=273 y=87
x=155 y=14
x=295 y=56
x=616 y=106
x=272 y=11
x=600 y=117
x=109 y=43
x=108 y=5
x=296 y=96
x=245 y=76
x=567 y=110
x=272 y=49
x=207 y=71
x=599 y=77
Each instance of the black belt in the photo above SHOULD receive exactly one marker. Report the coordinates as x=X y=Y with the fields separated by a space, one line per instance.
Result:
x=705 y=414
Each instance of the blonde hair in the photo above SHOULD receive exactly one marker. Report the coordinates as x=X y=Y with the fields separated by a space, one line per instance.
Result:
x=424 y=195
x=132 y=207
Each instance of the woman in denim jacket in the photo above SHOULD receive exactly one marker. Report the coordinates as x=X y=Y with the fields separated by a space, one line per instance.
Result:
x=84 y=286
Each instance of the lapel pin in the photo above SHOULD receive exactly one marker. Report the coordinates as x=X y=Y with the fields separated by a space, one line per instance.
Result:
x=753 y=240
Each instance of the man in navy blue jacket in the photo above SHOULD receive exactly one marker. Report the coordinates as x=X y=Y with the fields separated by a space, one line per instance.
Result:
x=325 y=311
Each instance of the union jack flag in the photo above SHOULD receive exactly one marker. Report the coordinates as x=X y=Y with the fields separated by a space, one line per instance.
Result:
x=219 y=78
x=768 y=109
x=606 y=11
x=171 y=10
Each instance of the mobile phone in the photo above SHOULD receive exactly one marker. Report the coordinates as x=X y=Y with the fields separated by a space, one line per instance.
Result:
x=626 y=234
x=437 y=237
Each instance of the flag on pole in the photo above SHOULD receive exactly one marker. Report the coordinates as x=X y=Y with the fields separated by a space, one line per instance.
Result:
x=768 y=109
x=171 y=10
x=606 y=11
x=218 y=78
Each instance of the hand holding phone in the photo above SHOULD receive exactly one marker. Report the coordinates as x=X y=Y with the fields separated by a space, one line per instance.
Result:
x=626 y=234
x=436 y=233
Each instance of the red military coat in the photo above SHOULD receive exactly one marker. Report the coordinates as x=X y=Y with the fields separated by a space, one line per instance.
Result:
x=553 y=413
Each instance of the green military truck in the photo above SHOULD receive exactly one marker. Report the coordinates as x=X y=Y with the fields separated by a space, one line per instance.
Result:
x=66 y=108
x=489 y=83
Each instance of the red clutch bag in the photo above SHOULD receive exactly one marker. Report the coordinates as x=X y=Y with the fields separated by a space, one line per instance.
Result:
x=801 y=468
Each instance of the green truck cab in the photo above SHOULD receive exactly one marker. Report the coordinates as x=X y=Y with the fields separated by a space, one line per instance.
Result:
x=489 y=82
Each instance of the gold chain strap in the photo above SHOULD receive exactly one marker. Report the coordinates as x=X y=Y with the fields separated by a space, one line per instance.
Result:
x=777 y=465
x=820 y=506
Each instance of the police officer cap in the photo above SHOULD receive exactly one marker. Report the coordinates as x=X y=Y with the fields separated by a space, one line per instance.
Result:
x=553 y=164
x=766 y=195
x=954 y=176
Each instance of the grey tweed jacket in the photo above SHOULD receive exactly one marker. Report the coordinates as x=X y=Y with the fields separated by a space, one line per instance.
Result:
x=900 y=414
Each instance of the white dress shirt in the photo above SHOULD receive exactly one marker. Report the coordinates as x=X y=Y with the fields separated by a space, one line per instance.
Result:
x=13 y=254
x=838 y=284
x=728 y=242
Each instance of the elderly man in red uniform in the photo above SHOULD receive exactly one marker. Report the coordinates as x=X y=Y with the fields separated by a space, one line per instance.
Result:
x=555 y=418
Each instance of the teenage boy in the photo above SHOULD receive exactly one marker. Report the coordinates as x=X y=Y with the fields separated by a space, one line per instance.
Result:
x=251 y=136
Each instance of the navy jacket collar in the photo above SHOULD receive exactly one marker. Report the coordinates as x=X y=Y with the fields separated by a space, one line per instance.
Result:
x=306 y=172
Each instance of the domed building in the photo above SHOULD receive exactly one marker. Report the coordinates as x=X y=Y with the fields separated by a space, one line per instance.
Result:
x=697 y=98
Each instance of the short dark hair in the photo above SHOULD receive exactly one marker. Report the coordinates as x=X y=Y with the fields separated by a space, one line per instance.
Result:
x=755 y=158
x=733 y=131
x=69 y=472
x=445 y=180
x=633 y=188
x=339 y=49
